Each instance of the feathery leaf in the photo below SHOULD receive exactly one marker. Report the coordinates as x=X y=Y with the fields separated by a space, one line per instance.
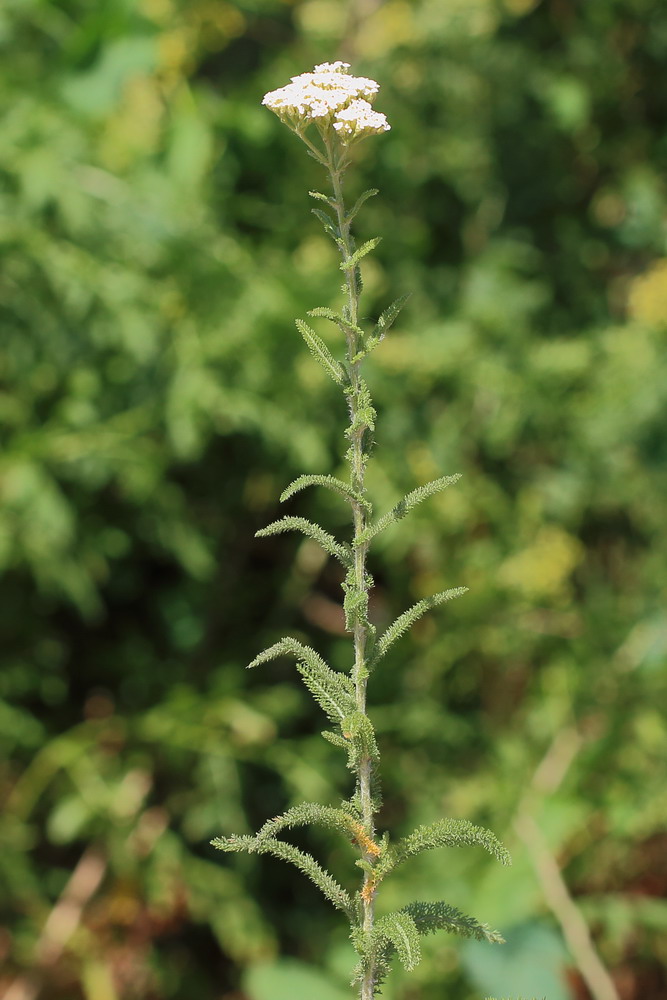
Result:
x=309 y=814
x=409 y=617
x=359 y=202
x=329 y=689
x=355 y=606
x=432 y=917
x=322 y=197
x=334 y=738
x=305 y=862
x=399 y=932
x=343 y=322
x=388 y=316
x=321 y=352
x=333 y=690
x=328 y=222
x=312 y=530
x=358 y=728
x=359 y=254
x=444 y=833
x=406 y=504
x=337 y=485
x=365 y=414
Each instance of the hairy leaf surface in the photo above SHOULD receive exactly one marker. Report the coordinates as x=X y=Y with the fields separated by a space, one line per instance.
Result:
x=321 y=352
x=409 y=617
x=337 y=485
x=432 y=917
x=312 y=530
x=406 y=504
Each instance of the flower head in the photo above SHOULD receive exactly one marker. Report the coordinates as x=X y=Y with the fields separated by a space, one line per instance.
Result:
x=329 y=97
x=359 y=120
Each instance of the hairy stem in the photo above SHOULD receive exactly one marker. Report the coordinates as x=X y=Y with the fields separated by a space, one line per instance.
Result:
x=357 y=473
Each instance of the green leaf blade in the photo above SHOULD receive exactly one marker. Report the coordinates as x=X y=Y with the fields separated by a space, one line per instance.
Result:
x=311 y=530
x=399 y=932
x=409 y=617
x=330 y=482
x=361 y=201
x=405 y=505
x=321 y=353
x=332 y=689
x=305 y=862
x=329 y=689
x=444 y=833
x=431 y=917
x=388 y=317
x=311 y=814
x=351 y=262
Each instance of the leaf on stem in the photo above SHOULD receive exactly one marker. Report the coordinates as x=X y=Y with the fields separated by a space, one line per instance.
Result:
x=329 y=689
x=306 y=863
x=405 y=505
x=337 y=485
x=335 y=739
x=359 y=202
x=332 y=689
x=444 y=833
x=409 y=617
x=322 y=197
x=328 y=222
x=310 y=814
x=358 y=729
x=431 y=917
x=398 y=932
x=321 y=352
x=311 y=530
x=359 y=254
x=342 y=321
x=387 y=318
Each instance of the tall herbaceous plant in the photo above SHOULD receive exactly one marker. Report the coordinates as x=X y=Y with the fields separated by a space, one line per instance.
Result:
x=331 y=111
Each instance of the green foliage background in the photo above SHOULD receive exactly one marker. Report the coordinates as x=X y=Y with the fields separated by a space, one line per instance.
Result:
x=155 y=398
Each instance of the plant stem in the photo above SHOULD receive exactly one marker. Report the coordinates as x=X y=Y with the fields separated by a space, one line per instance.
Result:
x=357 y=473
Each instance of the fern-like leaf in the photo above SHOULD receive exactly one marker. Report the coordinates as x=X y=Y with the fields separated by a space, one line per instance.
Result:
x=329 y=689
x=333 y=690
x=431 y=917
x=364 y=416
x=444 y=833
x=359 y=202
x=311 y=530
x=328 y=222
x=337 y=485
x=385 y=321
x=321 y=352
x=334 y=738
x=311 y=814
x=365 y=248
x=287 y=646
x=357 y=728
x=397 y=932
x=318 y=196
x=305 y=862
x=406 y=504
x=409 y=617
x=387 y=318
x=343 y=322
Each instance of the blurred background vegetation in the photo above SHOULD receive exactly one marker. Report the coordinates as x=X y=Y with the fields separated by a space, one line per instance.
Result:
x=155 y=398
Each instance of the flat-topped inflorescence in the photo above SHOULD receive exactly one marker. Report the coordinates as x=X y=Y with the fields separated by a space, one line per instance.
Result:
x=329 y=97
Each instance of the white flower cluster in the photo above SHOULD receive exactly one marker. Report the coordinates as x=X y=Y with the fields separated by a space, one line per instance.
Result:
x=329 y=96
x=359 y=119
